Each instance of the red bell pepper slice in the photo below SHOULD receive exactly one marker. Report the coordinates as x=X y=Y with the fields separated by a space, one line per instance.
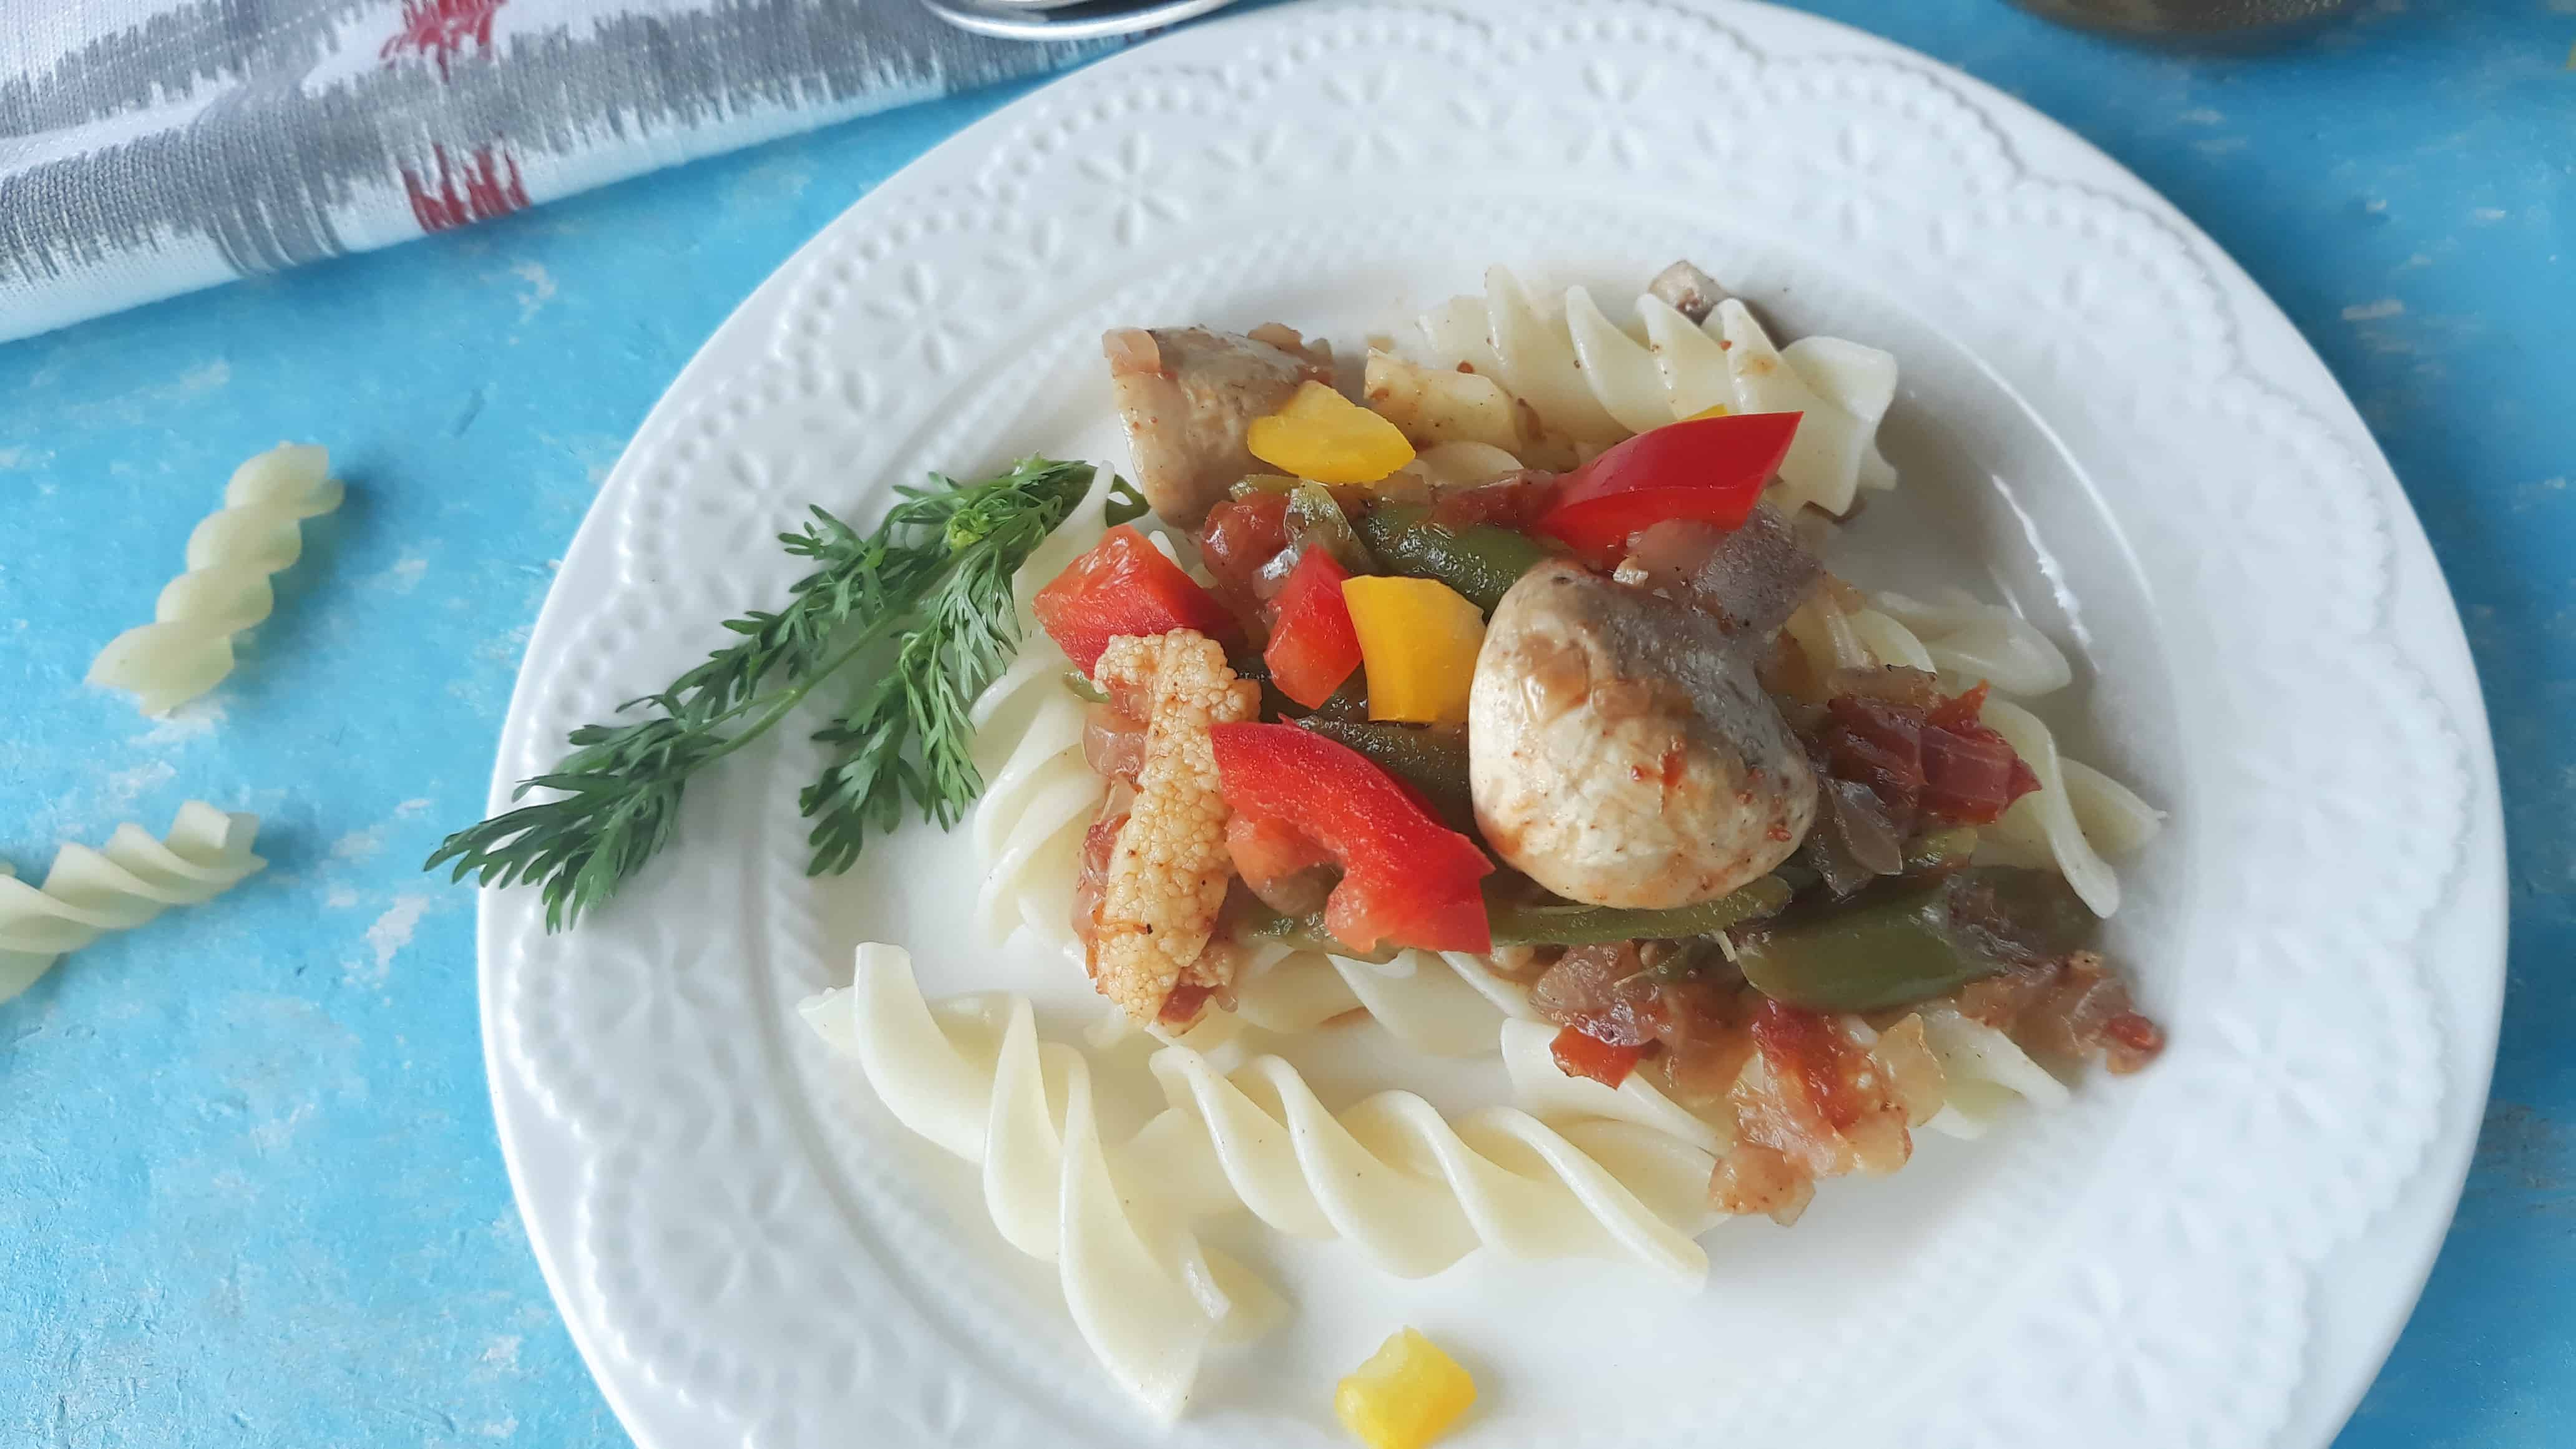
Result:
x=1124 y=586
x=1406 y=878
x=1708 y=469
x=1578 y=1053
x=1313 y=645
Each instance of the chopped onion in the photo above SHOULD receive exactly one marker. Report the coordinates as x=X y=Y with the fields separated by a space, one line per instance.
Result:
x=1861 y=827
x=1113 y=743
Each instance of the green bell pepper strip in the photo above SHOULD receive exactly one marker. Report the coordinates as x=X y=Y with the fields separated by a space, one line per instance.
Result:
x=1568 y=923
x=1547 y=923
x=1481 y=562
x=1258 y=922
x=1433 y=762
x=1936 y=851
x=1909 y=941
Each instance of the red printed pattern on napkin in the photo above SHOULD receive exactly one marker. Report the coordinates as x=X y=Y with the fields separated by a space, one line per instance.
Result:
x=440 y=29
x=491 y=187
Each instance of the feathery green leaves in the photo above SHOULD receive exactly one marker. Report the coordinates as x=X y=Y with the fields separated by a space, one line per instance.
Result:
x=927 y=593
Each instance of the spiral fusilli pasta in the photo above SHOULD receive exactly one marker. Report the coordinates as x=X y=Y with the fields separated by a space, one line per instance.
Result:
x=2062 y=819
x=187 y=648
x=1590 y=380
x=1039 y=798
x=1983 y=1072
x=119 y=886
x=972 y=1077
x=2075 y=815
x=1413 y=1190
x=1963 y=635
x=1039 y=795
x=1445 y=1004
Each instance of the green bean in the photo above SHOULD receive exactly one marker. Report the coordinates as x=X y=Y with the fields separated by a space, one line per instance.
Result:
x=1909 y=941
x=1935 y=851
x=1433 y=762
x=1481 y=562
x=1568 y=923
x=1259 y=922
x=1544 y=923
x=1275 y=704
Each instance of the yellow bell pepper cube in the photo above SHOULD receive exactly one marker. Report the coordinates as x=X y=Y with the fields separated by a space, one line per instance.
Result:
x=1327 y=437
x=1405 y=1396
x=1418 y=641
x=1713 y=410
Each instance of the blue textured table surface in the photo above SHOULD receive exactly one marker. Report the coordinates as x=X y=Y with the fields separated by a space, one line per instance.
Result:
x=249 y=1192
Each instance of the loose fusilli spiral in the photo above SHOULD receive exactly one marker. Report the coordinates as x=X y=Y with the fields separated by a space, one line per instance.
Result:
x=1588 y=379
x=1963 y=635
x=133 y=878
x=1413 y=1190
x=188 y=647
x=2078 y=812
x=1039 y=797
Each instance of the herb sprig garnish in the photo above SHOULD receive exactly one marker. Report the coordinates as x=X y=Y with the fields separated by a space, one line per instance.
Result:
x=927 y=593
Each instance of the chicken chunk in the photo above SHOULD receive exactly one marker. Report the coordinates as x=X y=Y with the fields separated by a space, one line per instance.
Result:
x=1620 y=751
x=1154 y=906
x=1188 y=394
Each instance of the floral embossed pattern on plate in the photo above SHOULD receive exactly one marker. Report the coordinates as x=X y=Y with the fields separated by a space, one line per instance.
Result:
x=2121 y=434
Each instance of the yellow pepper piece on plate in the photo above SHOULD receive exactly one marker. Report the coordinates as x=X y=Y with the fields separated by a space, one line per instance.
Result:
x=1418 y=641
x=1405 y=1396
x=1327 y=437
x=1713 y=410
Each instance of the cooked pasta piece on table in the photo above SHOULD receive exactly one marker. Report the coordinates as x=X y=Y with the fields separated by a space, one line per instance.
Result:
x=187 y=648
x=119 y=886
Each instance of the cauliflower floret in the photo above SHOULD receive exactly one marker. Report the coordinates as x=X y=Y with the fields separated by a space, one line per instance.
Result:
x=1168 y=868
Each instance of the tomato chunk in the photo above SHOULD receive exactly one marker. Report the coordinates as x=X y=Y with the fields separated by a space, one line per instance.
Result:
x=1711 y=470
x=1124 y=586
x=1313 y=646
x=1406 y=878
x=1240 y=535
x=1579 y=1054
x=1941 y=763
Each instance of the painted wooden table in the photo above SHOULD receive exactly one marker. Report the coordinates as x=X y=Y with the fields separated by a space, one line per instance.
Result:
x=249 y=1193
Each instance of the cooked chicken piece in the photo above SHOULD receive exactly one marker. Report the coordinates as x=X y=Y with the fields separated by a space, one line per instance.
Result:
x=1157 y=893
x=1620 y=751
x=1187 y=394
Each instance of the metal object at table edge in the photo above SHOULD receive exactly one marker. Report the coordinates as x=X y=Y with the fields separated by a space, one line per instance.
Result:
x=1032 y=19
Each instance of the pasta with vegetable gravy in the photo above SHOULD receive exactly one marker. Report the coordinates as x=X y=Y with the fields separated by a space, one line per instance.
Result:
x=1499 y=698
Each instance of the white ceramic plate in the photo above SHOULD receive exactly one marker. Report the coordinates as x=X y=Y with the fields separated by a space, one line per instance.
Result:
x=2101 y=420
